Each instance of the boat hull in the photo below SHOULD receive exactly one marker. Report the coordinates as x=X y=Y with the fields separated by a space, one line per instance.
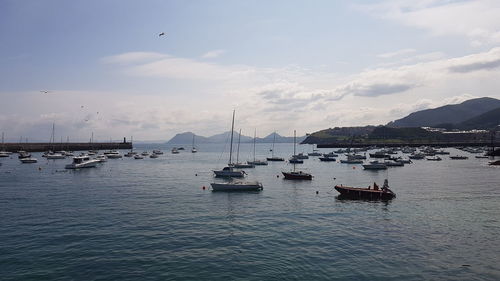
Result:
x=275 y=159
x=229 y=174
x=363 y=193
x=296 y=176
x=236 y=186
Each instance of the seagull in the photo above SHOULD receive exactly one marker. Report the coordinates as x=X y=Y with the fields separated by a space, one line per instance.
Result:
x=161 y=34
x=45 y=92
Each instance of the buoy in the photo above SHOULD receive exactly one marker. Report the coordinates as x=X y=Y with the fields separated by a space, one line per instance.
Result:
x=195 y=175
x=39 y=168
x=334 y=178
x=317 y=192
x=277 y=176
x=354 y=168
x=204 y=187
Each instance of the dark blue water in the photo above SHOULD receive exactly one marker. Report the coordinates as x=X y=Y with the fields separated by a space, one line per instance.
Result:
x=151 y=220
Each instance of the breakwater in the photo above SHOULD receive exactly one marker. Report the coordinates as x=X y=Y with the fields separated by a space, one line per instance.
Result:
x=410 y=144
x=75 y=146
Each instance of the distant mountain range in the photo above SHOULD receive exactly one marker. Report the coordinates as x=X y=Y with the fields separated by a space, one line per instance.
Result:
x=187 y=138
x=471 y=114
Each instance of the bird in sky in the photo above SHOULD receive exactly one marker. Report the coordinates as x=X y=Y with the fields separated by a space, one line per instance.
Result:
x=161 y=34
x=44 y=91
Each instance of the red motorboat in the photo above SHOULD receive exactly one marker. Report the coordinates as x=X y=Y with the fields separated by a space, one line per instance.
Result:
x=370 y=193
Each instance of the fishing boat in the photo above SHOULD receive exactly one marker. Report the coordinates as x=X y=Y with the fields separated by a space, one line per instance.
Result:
x=375 y=165
x=237 y=186
x=256 y=162
x=82 y=162
x=274 y=158
x=296 y=175
x=28 y=160
x=229 y=171
x=459 y=157
x=369 y=193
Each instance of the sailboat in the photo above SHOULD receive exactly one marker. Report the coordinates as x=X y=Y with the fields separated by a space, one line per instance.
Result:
x=273 y=158
x=193 y=150
x=54 y=155
x=256 y=162
x=296 y=175
x=238 y=164
x=3 y=153
x=229 y=172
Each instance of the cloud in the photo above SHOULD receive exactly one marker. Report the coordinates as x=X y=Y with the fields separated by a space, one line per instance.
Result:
x=486 y=65
x=375 y=90
x=134 y=57
x=476 y=62
x=476 y=20
x=213 y=54
x=396 y=53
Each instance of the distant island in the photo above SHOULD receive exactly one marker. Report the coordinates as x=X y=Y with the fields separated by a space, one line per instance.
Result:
x=472 y=121
x=187 y=138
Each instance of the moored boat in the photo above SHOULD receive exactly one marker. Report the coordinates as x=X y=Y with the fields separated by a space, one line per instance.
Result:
x=459 y=157
x=27 y=160
x=375 y=165
x=237 y=186
x=369 y=193
x=82 y=162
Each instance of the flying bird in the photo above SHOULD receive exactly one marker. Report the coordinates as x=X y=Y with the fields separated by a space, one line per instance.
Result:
x=45 y=92
x=161 y=34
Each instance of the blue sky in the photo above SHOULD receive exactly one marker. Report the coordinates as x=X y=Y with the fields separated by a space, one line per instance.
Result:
x=283 y=65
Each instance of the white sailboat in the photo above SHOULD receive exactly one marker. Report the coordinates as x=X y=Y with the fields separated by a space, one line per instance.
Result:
x=256 y=162
x=296 y=175
x=238 y=164
x=273 y=158
x=229 y=171
x=193 y=149
x=3 y=153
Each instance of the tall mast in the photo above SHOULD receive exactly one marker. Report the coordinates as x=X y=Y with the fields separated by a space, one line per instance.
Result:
x=193 y=140
x=231 y=146
x=274 y=139
x=53 y=136
x=254 y=138
x=294 y=149
x=238 y=150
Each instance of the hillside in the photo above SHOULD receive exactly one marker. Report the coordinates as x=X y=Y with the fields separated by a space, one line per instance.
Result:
x=448 y=114
x=488 y=120
x=187 y=138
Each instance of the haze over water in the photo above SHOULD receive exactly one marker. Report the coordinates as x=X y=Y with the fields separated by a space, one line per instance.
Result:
x=151 y=220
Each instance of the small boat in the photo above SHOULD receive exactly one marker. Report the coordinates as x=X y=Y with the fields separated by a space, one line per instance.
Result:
x=459 y=157
x=301 y=156
x=82 y=162
x=23 y=154
x=144 y=153
x=296 y=175
x=434 y=158
x=295 y=160
x=153 y=155
x=243 y=165
x=327 y=159
x=193 y=148
x=28 y=160
x=351 y=160
x=366 y=193
x=112 y=154
x=481 y=156
x=4 y=154
x=54 y=156
x=237 y=186
x=239 y=164
x=494 y=163
x=442 y=152
x=157 y=152
x=375 y=165
x=180 y=148
x=138 y=156
x=379 y=154
x=175 y=150
x=130 y=154
x=274 y=158
x=417 y=156
x=258 y=163
x=331 y=154
x=101 y=158
x=228 y=171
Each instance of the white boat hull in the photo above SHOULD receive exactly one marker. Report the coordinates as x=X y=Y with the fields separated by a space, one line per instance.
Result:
x=237 y=186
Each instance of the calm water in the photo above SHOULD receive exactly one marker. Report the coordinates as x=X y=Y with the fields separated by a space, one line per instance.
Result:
x=151 y=220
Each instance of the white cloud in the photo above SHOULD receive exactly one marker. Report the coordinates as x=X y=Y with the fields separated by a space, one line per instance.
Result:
x=477 y=20
x=213 y=54
x=396 y=53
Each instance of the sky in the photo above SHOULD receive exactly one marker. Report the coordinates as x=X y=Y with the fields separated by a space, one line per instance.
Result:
x=100 y=66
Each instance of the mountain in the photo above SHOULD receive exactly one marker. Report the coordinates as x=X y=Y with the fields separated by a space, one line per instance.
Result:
x=448 y=114
x=488 y=120
x=187 y=138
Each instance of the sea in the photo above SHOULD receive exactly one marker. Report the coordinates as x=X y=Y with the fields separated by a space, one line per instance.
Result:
x=157 y=219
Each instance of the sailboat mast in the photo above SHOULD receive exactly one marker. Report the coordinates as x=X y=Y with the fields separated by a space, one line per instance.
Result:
x=254 y=139
x=238 y=150
x=53 y=136
x=231 y=145
x=274 y=139
x=294 y=142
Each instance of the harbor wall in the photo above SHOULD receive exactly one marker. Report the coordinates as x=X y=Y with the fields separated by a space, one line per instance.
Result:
x=41 y=146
